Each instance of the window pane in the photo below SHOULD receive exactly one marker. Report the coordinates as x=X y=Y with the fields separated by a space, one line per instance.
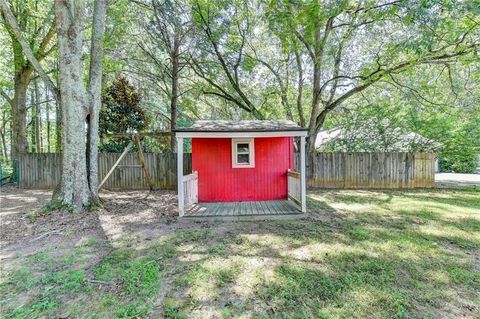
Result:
x=243 y=159
x=242 y=147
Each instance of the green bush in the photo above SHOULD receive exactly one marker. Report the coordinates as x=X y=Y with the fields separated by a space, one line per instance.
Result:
x=459 y=161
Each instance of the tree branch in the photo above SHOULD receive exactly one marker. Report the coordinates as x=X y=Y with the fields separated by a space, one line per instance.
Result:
x=6 y=97
x=236 y=86
x=298 y=60
x=96 y=50
x=12 y=23
x=378 y=74
x=306 y=44
x=42 y=49
x=283 y=89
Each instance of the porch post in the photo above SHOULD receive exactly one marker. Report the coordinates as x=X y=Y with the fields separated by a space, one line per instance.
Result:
x=303 y=177
x=181 y=200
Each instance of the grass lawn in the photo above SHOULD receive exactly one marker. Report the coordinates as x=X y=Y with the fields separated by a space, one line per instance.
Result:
x=359 y=254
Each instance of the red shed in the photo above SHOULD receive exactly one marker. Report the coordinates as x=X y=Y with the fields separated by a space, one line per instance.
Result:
x=242 y=168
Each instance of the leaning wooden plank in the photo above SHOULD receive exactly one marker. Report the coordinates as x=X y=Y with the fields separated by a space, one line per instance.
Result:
x=125 y=151
x=141 y=157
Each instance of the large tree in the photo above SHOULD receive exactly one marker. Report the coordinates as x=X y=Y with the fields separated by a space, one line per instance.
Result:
x=169 y=33
x=321 y=54
x=79 y=104
x=224 y=29
x=353 y=45
x=38 y=28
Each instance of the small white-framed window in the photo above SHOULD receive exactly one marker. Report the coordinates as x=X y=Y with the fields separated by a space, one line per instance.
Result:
x=243 y=153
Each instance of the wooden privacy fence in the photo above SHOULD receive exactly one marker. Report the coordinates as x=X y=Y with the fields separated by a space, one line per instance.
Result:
x=43 y=170
x=327 y=170
x=371 y=170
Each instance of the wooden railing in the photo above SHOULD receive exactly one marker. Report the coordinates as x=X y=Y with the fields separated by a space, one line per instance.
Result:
x=294 y=186
x=190 y=188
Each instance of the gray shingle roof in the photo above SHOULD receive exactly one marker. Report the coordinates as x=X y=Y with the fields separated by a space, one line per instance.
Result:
x=241 y=126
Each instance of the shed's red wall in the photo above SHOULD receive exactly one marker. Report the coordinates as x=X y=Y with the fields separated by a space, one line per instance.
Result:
x=218 y=181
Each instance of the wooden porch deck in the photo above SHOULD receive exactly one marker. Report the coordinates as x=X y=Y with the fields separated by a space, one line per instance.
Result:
x=258 y=210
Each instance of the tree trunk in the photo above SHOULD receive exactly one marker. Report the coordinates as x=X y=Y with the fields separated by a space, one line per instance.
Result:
x=23 y=69
x=47 y=110
x=312 y=131
x=19 y=116
x=58 y=127
x=174 y=101
x=38 y=118
x=298 y=60
x=58 y=115
x=33 y=129
x=19 y=105
x=3 y=133
x=95 y=91
x=74 y=191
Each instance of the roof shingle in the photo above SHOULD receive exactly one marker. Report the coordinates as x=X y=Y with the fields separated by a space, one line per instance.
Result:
x=241 y=126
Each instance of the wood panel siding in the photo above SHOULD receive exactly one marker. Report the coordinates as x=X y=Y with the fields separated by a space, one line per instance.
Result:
x=218 y=181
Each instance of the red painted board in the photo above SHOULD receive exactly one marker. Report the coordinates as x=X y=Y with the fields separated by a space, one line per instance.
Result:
x=219 y=182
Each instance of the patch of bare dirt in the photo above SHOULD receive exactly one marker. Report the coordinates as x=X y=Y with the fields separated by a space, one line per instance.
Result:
x=16 y=204
x=126 y=218
x=22 y=235
x=131 y=217
x=19 y=225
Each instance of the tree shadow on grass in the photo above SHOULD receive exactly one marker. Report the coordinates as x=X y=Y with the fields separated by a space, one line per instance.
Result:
x=466 y=224
x=347 y=264
x=461 y=199
x=376 y=197
x=53 y=269
x=196 y=273
x=339 y=284
x=333 y=263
